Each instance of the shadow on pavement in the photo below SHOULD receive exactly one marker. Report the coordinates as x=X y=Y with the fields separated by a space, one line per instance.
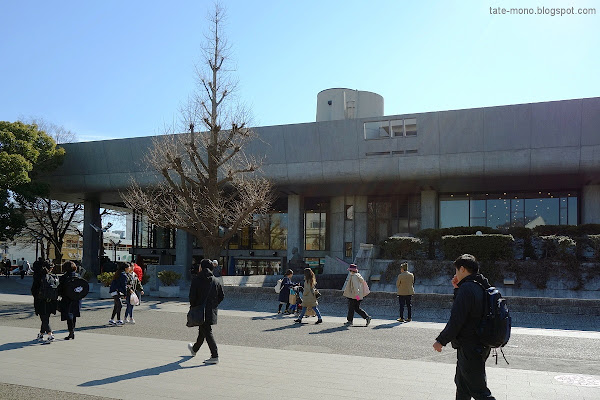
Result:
x=19 y=345
x=282 y=328
x=388 y=326
x=175 y=365
x=330 y=330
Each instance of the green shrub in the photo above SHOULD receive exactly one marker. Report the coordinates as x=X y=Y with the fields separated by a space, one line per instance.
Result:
x=490 y=247
x=403 y=248
x=168 y=277
x=106 y=278
x=432 y=268
x=560 y=247
x=392 y=271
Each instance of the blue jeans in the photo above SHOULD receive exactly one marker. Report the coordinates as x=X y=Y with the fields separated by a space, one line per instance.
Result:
x=129 y=310
x=304 y=311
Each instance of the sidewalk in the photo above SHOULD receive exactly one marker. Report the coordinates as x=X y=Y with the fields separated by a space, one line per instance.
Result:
x=145 y=368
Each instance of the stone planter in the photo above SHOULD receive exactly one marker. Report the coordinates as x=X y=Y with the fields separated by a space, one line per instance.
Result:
x=104 y=292
x=168 y=291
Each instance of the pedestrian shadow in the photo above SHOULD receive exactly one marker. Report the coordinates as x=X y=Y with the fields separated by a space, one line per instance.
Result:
x=282 y=328
x=173 y=366
x=19 y=345
x=276 y=316
x=388 y=326
x=331 y=330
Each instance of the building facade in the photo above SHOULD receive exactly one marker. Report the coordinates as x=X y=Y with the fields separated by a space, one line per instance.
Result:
x=358 y=176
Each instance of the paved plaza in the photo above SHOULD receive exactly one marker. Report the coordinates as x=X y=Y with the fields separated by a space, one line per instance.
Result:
x=150 y=360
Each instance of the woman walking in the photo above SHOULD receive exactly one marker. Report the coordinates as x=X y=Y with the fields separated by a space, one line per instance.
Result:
x=355 y=292
x=134 y=286
x=118 y=288
x=69 y=309
x=284 y=294
x=309 y=299
x=45 y=294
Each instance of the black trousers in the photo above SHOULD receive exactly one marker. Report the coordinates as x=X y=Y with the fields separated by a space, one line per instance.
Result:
x=402 y=300
x=45 y=328
x=71 y=324
x=205 y=332
x=117 y=307
x=470 y=375
x=354 y=306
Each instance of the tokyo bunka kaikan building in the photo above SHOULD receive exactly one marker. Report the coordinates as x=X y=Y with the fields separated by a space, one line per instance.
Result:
x=358 y=176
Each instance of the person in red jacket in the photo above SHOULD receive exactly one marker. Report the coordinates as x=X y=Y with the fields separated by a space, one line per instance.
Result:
x=138 y=271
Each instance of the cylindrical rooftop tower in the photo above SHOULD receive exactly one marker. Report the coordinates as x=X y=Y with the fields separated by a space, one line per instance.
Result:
x=335 y=104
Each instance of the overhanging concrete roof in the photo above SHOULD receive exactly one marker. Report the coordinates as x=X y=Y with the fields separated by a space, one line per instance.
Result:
x=552 y=145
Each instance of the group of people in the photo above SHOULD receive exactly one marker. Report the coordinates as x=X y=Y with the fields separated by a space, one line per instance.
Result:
x=49 y=295
x=126 y=284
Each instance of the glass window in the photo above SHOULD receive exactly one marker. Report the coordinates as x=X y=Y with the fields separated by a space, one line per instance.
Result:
x=260 y=232
x=541 y=212
x=454 y=212
x=279 y=227
x=315 y=225
x=410 y=127
x=478 y=215
x=517 y=212
x=348 y=249
x=498 y=213
x=350 y=212
x=377 y=129
x=572 y=204
x=397 y=127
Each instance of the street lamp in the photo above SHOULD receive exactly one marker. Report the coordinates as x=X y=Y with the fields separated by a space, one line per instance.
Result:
x=101 y=232
x=114 y=248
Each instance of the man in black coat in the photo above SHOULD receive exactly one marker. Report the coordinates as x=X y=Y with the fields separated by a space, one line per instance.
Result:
x=461 y=330
x=206 y=288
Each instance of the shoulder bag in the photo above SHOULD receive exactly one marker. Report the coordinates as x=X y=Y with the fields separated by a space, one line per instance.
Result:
x=196 y=314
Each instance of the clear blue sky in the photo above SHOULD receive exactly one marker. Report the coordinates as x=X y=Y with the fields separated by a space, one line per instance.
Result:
x=110 y=69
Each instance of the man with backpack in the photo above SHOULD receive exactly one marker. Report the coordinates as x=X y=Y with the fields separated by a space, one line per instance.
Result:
x=462 y=330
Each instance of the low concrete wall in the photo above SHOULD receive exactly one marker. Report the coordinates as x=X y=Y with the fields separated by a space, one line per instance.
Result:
x=387 y=303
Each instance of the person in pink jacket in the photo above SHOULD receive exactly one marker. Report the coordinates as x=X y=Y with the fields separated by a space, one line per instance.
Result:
x=356 y=290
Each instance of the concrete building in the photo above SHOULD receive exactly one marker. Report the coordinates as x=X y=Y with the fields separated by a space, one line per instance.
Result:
x=357 y=176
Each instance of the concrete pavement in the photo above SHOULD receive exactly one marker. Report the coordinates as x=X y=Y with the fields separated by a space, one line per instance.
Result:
x=117 y=367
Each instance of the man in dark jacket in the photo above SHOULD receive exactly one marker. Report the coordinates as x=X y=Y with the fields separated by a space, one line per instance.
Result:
x=206 y=288
x=461 y=330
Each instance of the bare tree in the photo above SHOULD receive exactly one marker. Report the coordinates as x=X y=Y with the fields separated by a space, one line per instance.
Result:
x=210 y=187
x=59 y=133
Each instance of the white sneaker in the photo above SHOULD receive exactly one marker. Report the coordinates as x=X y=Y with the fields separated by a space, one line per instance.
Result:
x=126 y=320
x=120 y=322
x=213 y=360
x=51 y=338
x=40 y=337
x=111 y=322
x=132 y=321
x=191 y=349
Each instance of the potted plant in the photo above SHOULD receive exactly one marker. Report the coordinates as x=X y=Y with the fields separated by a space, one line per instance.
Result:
x=169 y=287
x=105 y=279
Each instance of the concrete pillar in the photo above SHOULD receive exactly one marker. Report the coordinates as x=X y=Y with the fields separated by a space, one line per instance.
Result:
x=337 y=234
x=590 y=204
x=295 y=235
x=183 y=251
x=360 y=222
x=429 y=209
x=91 y=238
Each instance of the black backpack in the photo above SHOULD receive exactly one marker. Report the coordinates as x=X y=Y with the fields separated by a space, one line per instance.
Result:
x=76 y=288
x=494 y=329
x=48 y=288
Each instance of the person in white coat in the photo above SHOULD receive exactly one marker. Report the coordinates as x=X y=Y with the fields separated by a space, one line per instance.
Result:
x=355 y=291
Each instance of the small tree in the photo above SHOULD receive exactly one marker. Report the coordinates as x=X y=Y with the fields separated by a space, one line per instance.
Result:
x=210 y=187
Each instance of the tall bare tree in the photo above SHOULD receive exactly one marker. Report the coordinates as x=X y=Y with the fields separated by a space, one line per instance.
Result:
x=210 y=187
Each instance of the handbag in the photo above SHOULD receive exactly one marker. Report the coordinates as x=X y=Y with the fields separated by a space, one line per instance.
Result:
x=317 y=293
x=197 y=314
x=133 y=299
x=195 y=317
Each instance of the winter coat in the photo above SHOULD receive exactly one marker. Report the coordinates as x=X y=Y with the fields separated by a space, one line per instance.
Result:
x=308 y=296
x=68 y=308
x=119 y=284
x=205 y=284
x=466 y=313
x=405 y=284
x=286 y=285
x=354 y=286
x=41 y=306
x=138 y=271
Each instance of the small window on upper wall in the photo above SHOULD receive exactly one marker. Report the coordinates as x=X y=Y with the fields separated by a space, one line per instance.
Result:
x=397 y=127
x=377 y=130
x=410 y=127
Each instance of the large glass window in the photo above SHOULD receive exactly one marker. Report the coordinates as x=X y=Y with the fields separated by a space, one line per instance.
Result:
x=391 y=128
x=279 y=228
x=315 y=224
x=454 y=211
x=505 y=210
x=387 y=216
x=267 y=232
